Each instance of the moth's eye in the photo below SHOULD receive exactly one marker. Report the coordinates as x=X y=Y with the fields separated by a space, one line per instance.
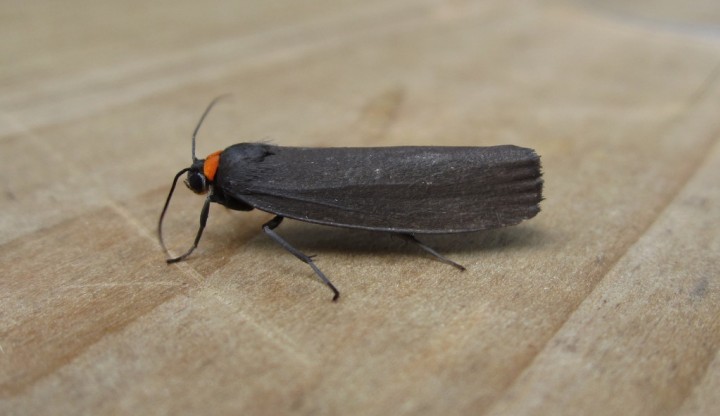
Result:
x=197 y=182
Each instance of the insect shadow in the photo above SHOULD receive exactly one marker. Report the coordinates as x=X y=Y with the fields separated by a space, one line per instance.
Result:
x=323 y=240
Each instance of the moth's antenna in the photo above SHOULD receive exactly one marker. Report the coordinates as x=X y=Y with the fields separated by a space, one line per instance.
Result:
x=197 y=128
x=167 y=202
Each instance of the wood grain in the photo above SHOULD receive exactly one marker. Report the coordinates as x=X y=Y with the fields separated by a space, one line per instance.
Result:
x=605 y=303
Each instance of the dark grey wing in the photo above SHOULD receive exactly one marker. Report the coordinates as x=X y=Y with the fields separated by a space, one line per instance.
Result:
x=399 y=189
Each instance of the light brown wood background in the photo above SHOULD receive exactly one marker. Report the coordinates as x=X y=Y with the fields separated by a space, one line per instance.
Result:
x=606 y=303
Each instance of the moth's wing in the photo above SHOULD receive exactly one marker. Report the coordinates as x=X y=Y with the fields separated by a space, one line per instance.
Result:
x=399 y=189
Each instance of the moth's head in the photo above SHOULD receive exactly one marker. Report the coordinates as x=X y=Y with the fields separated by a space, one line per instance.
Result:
x=200 y=177
x=202 y=173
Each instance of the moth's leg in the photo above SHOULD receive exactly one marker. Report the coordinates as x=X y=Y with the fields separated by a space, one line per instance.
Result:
x=272 y=224
x=203 y=221
x=411 y=238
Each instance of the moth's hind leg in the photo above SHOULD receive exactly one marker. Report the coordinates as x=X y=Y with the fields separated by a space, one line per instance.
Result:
x=411 y=238
x=272 y=224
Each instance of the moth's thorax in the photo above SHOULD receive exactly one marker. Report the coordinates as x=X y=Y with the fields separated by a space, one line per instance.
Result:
x=210 y=165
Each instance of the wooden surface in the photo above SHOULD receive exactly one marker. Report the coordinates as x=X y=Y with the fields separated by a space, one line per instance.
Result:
x=606 y=303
